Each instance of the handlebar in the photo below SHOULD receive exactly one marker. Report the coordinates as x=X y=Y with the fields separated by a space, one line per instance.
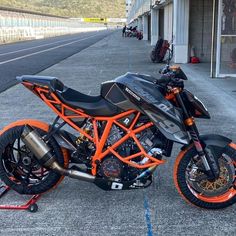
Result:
x=171 y=75
x=171 y=79
x=164 y=79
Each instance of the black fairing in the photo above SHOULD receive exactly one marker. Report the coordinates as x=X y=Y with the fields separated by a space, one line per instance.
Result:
x=181 y=75
x=195 y=106
x=136 y=91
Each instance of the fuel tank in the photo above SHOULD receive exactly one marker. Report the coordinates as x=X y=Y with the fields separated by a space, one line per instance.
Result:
x=137 y=91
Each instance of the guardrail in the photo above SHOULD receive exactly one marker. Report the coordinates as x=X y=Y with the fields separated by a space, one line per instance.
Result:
x=12 y=34
x=18 y=25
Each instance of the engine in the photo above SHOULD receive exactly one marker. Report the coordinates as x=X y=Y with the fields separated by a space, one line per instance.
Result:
x=115 y=135
x=153 y=142
x=111 y=167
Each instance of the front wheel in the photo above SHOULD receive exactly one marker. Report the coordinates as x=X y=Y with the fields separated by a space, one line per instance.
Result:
x=192 y=183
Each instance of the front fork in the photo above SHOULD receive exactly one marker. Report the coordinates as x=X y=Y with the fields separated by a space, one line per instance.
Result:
x=209 y=161
x=210 y=164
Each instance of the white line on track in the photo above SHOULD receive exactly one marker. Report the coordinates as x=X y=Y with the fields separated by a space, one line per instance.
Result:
x=46 y=50
x=42 y=45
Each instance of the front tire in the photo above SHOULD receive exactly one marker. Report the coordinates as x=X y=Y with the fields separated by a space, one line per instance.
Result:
x=203 y=193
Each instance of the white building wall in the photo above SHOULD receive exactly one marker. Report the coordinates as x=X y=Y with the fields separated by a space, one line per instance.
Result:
x=168 y=22
x=189 y=24
x=128 y=5
x=181 y=31
x=154 y=26
x=145 y=27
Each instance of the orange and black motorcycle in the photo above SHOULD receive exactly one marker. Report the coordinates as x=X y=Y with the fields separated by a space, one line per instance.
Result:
x=121 y=137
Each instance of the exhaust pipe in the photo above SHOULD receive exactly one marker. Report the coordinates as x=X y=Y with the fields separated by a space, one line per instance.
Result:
x=46 y=158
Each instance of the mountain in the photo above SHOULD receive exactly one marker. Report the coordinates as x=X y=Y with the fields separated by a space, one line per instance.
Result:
x=71 y=8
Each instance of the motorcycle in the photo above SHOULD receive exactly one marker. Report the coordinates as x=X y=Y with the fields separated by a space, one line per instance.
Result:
x=122 y=136
x=139 y=35
x=133 y=32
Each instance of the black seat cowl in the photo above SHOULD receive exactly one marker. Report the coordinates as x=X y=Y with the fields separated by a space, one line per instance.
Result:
x=92 y=105
x=51 y=82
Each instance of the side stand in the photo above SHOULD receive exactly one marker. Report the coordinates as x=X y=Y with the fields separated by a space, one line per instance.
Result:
x=30 y=205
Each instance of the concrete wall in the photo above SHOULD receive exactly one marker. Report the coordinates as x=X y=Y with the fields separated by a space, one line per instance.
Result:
x=200 y=28
x=168 y=22
x=161 y=23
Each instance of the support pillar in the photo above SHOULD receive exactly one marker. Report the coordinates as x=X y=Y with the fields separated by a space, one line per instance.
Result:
x=181 y=31
x=135 y=23
x=145 y=27
x=140 y=24
x=154 y=26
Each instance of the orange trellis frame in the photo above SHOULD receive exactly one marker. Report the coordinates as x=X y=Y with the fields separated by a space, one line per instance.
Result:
x=69 y=115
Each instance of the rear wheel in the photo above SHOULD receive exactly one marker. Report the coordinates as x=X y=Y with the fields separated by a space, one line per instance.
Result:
x=193 y=185
x=20 y=170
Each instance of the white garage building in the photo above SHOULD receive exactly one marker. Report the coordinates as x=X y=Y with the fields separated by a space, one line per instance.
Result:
x=208 y=26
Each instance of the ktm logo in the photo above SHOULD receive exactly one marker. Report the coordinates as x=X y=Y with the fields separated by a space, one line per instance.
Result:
x=132 y=94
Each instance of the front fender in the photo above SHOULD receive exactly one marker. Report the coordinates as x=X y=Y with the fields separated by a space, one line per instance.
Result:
x=215 y=140
x=211 y=140
x=214 y=146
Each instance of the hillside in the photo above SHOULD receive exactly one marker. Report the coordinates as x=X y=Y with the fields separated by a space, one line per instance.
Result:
x=71 y=8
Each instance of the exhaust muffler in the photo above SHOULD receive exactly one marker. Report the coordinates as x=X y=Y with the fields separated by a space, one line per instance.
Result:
x=45 y=156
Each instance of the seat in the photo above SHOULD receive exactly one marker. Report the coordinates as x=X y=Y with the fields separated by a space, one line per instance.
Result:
x=91 y=105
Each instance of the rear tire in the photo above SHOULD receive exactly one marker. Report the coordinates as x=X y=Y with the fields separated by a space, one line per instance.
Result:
x=190 y=194
x=13 y=172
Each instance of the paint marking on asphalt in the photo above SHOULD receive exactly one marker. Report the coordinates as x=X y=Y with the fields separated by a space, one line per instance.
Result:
x=39 y=46
x=148 y=217
x=46 y=50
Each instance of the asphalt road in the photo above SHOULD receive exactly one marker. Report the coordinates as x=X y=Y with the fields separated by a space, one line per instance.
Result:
x=31 y=57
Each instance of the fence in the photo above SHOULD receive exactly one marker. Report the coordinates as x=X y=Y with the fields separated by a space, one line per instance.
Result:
x=18 y=25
